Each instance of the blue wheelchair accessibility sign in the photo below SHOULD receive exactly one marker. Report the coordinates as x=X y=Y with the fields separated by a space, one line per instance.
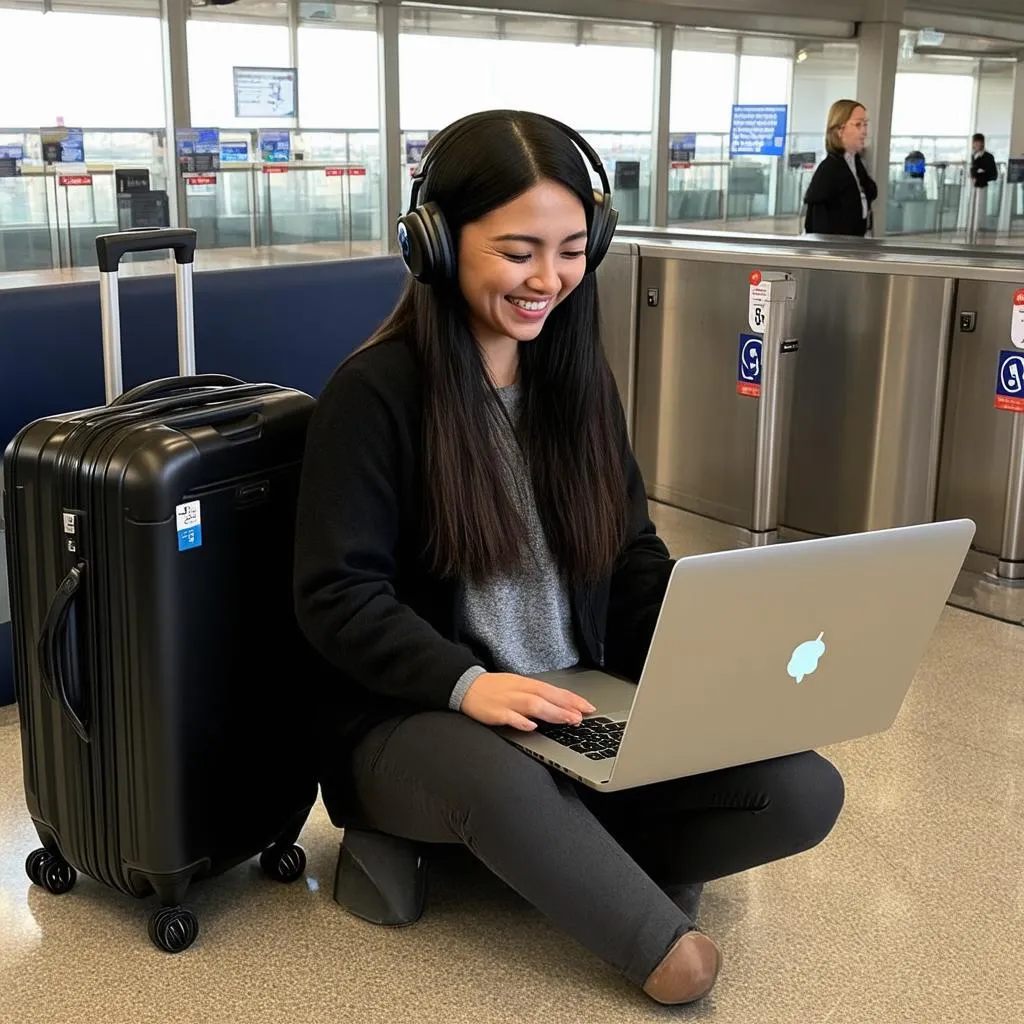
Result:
x=1010 y=381
x=748 y=373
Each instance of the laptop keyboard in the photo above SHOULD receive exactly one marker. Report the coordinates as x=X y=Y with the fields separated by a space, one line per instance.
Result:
x=596 y=738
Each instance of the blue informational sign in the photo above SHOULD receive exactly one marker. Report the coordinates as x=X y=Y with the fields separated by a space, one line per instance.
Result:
x=12 y=152
x=414 y=151
x=198 y=150
x=1010 y=381
x=758 y=130
x=748 y=371
x=275 y=146
x=681 y=148
x=198 y=140
x=234 y=152
x=62 y=145
x=73 y=147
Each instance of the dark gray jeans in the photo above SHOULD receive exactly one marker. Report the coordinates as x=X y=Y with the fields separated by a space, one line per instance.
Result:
x=597 y=864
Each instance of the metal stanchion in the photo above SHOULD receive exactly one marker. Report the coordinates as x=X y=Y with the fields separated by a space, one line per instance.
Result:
x=771 y=410
x=974 y=214
x=1011 y=550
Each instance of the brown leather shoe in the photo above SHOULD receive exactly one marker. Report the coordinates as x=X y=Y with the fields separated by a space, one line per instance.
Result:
x=687 y=972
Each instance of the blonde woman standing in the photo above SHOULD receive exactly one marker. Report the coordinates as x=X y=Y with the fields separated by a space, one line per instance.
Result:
x=841 y=192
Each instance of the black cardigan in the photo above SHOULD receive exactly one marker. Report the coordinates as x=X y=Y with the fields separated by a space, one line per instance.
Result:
x=833 y=199
x=386 y=626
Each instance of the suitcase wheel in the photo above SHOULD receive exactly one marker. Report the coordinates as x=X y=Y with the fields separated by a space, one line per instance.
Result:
x=51 y=872
x=173 y=929
x=283 y=864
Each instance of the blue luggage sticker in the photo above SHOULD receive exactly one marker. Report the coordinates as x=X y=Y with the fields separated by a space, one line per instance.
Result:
x=188 y=518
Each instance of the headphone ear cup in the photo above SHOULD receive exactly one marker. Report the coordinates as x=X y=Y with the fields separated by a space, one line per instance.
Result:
x=426 y=244
x=602 y=230
x=442 y=244
x=414 y=243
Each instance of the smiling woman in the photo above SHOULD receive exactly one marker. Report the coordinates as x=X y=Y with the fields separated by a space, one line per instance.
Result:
x=521 y=226
x=471 y=517
x=513 y=279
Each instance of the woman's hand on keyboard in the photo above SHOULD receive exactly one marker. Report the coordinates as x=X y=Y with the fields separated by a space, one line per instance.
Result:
x=502 y=698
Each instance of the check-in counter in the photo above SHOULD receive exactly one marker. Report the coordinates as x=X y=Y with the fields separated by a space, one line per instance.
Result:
x=891 y=416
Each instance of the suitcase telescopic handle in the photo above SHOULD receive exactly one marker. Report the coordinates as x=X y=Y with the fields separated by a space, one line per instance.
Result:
x=53 y=642
x=175 y=385
x=110 y=250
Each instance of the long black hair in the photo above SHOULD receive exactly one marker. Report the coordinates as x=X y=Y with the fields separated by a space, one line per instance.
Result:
x=570 y=425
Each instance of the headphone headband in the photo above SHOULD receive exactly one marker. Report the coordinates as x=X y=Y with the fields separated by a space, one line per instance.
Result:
x=457 y=128
x=424 y=237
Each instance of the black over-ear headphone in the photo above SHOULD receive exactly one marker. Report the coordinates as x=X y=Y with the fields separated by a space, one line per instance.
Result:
x=425 y=239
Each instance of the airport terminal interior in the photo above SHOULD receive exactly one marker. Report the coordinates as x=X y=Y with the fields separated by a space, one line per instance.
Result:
x=780 y=386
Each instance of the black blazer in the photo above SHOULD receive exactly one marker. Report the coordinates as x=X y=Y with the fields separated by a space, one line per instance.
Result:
x=983 y=169
x=833 y=199
x=387 y=627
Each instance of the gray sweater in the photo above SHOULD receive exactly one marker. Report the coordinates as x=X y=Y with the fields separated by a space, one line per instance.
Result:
x=523 y=619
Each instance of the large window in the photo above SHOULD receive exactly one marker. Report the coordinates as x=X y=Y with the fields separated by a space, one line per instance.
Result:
x=703 y=81
x=933 y=102
x=92 y=70
x=597 y=77
x=995 y=104
x=824 y=73
x=559 y=67
x=338 y=66
x=250 y=33
x=926 y=104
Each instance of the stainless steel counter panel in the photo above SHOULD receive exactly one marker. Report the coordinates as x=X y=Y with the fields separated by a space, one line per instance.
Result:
x=694 y=436
x=866 y=401
x=867 y=387
x=617 y=282
x=976 y=440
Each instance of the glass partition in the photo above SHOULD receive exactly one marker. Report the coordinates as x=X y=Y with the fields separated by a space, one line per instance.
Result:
x=496 y=52
x=50 y=214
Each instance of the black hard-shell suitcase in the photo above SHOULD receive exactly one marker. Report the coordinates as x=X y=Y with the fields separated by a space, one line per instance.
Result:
x=159 y=667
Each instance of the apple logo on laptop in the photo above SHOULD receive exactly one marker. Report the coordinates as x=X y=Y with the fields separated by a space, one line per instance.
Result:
x=805 y=658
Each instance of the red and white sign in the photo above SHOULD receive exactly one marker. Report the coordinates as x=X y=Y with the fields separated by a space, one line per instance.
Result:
x=70 y=180
x=201 y=179
x=760 y=296
x=1017 y=322
x=346 y=172
x=680 y=165
x=271 y=169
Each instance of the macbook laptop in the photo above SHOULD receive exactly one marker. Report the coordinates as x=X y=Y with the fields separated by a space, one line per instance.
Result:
x=761 y=652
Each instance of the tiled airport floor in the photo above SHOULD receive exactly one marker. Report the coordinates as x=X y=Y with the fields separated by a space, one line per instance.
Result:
x=912 y=910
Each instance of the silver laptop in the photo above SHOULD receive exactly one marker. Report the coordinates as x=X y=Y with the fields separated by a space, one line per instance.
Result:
x=761 y=652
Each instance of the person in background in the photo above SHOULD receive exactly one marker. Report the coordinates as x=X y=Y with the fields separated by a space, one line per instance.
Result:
x=841 y=192
x=983 y=163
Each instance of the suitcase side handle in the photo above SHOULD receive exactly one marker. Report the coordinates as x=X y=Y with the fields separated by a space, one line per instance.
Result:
x=174 y=385
x=53 y=645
